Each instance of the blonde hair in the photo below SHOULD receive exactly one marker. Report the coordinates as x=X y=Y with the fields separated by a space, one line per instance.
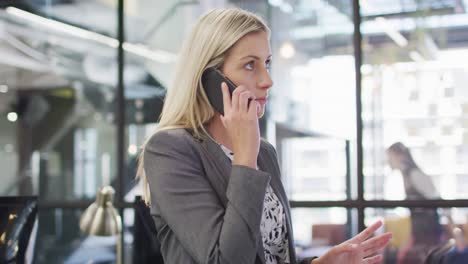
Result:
x=186 y=104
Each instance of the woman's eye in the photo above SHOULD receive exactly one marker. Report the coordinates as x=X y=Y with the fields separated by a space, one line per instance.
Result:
x=249 y=66
x=268 y=65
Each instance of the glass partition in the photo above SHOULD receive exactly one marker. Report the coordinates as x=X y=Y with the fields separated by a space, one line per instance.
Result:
x=414 y=99
x=58 y=98
x=312 y=112
x=315 y=168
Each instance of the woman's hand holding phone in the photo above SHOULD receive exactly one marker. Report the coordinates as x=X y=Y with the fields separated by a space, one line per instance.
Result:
x=241 y=121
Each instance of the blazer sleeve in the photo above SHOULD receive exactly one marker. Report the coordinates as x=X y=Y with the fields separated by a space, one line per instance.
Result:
x=191 y=208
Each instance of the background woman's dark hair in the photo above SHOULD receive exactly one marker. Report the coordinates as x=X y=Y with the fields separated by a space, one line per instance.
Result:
x=400 y=149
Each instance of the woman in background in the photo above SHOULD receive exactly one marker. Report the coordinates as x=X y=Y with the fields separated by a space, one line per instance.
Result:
x=426 y=230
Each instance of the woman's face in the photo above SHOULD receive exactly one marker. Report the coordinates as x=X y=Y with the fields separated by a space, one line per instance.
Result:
x=248 y=63
x=394 y=160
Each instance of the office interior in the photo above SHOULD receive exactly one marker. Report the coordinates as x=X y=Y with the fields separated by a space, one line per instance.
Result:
x=82 y=83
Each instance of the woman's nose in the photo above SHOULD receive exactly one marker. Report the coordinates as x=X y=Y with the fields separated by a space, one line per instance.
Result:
x=265 y=80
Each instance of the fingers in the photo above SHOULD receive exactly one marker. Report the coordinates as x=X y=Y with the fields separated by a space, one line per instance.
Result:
x=253 y=108
x=235 y=98
x=373 y=259
x=368 y=232
x=226 y=97
x=244 y=100
x=355 y=253
x=363 y=253
x=240 y=99
x=375 y=244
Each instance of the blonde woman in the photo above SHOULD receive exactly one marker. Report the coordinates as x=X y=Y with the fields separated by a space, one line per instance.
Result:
x=214 y=186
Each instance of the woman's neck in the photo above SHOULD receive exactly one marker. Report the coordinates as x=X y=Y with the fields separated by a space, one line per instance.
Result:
x=218 y=132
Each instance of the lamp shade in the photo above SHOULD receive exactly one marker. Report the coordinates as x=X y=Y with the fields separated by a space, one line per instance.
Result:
x=101 y=218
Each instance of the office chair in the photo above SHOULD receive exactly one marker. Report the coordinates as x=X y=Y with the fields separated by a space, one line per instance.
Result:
x=18 y=222
x=146 y=246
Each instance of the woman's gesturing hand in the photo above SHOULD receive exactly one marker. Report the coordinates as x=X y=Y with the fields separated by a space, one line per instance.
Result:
x=241 y=121
x=360 y=249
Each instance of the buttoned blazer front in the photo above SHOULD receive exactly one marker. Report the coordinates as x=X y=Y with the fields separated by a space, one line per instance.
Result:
x=205 y=209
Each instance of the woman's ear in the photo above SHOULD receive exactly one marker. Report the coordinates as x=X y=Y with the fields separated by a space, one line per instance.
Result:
x=221 y=67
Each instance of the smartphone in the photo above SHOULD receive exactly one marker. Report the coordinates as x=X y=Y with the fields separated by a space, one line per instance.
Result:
x=211 y=80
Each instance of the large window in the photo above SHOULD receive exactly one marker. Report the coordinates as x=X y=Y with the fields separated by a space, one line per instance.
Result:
x=313 y=111
x=408 y=141
x=413 y=119
x=58 y=77
x=414 y=93
x=58 y=82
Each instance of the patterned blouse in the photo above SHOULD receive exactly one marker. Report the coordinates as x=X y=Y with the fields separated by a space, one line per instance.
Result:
x=273 y=225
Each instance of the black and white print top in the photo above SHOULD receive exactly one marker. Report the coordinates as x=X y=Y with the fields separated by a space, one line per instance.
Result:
x=273 y=225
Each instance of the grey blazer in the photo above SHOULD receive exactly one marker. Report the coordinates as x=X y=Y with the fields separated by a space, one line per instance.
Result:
x=205 y=209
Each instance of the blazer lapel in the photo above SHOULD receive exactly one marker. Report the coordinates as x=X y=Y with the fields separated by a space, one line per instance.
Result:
x=222 y=166
x=217 y=167
x=267 y=164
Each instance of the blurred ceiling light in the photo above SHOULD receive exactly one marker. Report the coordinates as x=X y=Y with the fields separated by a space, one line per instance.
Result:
x=137 y=49
x=286 y=7
x=3 y=88
x=275 y=2
x=98 y=117
x=155 y=55
x=8 y=148
x=287 y=50
x=363 y=3
x=139 y=116
x=396 y=36
x=12 y=117
x=283 y=5
x=366 y=69
x=62 y=27
x=139 y=103
x=132 y=149
x=416 y=56
x=432 y=50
